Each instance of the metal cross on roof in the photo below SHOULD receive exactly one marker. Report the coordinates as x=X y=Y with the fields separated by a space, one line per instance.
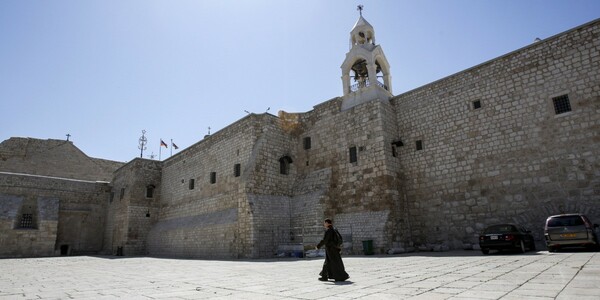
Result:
x=360 y=8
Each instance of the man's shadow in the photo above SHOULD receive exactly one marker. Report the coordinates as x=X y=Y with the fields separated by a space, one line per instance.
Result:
x=347 y=282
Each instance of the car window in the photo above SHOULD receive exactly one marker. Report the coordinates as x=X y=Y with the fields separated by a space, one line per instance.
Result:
x=500 y=229
x=565 y=221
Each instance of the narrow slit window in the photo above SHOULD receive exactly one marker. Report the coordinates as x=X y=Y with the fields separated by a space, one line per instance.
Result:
x=213 y=177
x=237 y=170
x=192 y=183
x=353 y=156
x=477 y=104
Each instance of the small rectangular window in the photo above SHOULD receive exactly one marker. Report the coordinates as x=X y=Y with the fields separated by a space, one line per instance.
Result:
x=237 y=170
x=213 y=177
x=561 y=104
x=353 y=156
x=394 y=153
x=307 y=143
x=419 y=145
x=192 y=182
x=477 y=104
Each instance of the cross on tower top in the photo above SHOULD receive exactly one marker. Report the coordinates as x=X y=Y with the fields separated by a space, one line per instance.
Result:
x=360 y=9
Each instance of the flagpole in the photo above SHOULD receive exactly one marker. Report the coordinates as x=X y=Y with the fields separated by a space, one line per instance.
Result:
x=171 y=148
x=159 y=151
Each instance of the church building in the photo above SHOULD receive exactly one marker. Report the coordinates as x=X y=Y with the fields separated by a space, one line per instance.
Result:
x=511 y=140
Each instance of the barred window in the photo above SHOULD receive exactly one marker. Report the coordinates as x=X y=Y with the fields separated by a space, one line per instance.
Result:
x=561 y=104
x=26 y=221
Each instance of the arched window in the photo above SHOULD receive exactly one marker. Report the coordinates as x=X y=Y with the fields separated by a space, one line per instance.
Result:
x=150 y=191
x=284 y=165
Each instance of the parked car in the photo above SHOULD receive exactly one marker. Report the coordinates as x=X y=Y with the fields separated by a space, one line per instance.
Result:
x=570 y=230
x=506 y=237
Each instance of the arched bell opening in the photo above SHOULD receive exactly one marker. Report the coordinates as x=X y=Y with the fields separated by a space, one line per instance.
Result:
x=363 y=37
x=359 y=75
x=383 y=74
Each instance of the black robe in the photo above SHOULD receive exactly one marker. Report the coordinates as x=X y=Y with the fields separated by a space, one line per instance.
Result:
x=333 y=267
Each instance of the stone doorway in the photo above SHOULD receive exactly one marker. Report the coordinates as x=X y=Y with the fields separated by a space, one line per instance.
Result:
x=64 y=250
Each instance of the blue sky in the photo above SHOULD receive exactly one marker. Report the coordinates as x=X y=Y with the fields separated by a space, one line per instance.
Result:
x=103 y=71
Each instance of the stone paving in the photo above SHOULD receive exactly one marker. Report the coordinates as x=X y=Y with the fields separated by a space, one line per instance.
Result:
x=433 y=275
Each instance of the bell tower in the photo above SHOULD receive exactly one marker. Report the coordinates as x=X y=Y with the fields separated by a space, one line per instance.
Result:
x=365 y=71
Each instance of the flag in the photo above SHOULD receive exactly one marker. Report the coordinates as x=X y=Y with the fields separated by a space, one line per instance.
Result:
x=174 y=146
x=163 y=144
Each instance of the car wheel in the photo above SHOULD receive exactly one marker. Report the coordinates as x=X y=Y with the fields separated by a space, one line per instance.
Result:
x=532 y=248
x=551 y=249
x=485 y=250
x=522 y=247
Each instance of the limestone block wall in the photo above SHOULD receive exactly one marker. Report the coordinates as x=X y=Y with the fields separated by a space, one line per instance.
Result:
x=270 y=217
x=211 y=234
x=56 y=158
x=275 y=140
x=68 y=213
x=514 y=159
x=133 y=207
x=270 y=189
x=212 y=213
x=308 y=199
x=117 y=214
x=367 y=185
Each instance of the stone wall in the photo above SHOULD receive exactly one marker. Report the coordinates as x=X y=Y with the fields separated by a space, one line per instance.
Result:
x=513 y=159
x=209 y=219
x=66 y=213
x=359 y=188
x=56 y=158
x=133 y=208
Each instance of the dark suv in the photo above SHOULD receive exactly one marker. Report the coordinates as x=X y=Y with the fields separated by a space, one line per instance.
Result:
x=570 y=230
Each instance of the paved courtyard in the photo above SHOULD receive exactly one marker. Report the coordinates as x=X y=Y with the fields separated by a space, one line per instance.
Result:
x=446 y=275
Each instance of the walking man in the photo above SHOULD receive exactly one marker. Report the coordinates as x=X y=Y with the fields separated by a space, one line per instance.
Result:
x=333 y=267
